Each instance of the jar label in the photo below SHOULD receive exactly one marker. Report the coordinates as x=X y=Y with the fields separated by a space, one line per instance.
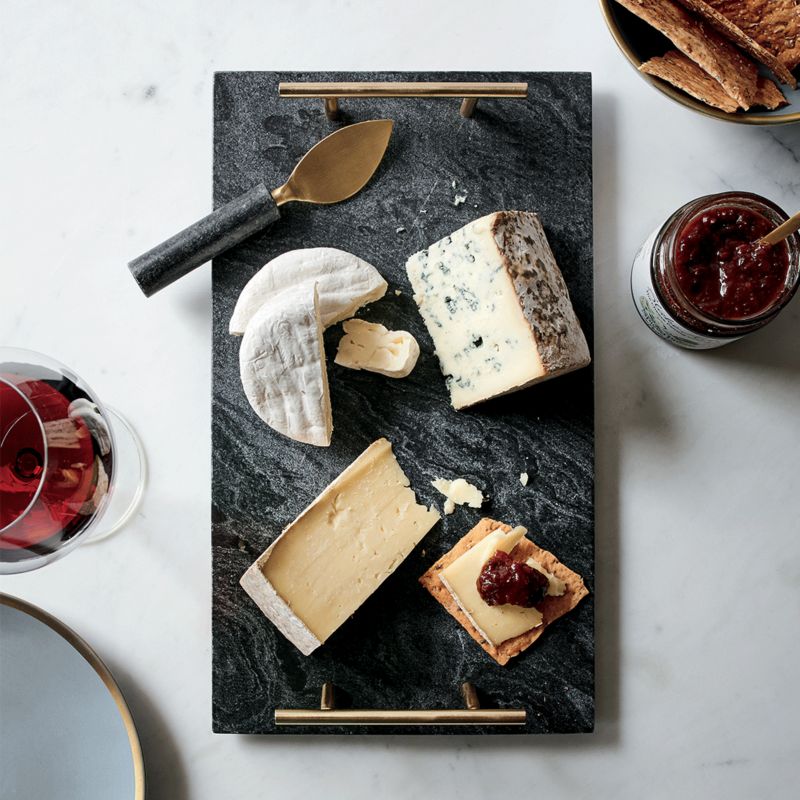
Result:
x=653 y=312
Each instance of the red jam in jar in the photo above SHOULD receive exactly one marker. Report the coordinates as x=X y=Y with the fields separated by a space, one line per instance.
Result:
x=505 y=581
x=723 y=269
x=703 y=279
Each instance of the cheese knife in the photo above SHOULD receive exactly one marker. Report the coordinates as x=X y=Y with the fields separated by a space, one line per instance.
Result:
x=334 y=169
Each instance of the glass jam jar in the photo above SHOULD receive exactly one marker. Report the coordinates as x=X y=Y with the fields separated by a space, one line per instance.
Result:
x=741 y=289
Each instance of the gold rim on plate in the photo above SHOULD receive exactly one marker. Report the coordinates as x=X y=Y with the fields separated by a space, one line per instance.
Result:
x=740 y=117
x=101 y=669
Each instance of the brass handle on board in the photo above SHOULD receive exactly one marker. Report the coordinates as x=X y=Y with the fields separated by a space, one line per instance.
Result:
x=472 y=714
x=469 y=93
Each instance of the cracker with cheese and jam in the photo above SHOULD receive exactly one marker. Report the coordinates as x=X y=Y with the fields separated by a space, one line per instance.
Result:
x=502 y=588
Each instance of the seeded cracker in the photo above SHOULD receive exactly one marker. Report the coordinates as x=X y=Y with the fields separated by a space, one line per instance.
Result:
x=698 y=40
x=769 y=95
x=675 y=68
x=551 y=607
x=774 y=24
x=739 y=37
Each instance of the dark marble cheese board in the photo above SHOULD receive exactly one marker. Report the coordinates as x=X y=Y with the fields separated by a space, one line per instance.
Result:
x=401 y=649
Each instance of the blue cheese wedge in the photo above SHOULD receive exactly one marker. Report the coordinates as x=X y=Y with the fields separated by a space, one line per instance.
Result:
x=496 y=306
x=321 y=569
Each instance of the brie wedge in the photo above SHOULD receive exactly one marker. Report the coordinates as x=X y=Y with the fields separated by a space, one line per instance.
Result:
x=324 y=565
x=369 y=346
x=344 y=284
x=458 y=492
x=282 y=366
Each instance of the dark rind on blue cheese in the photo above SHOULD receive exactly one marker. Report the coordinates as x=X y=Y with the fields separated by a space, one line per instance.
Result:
x=497 y=308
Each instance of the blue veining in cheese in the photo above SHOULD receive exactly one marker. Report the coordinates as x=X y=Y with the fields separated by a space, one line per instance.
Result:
x=497 y=308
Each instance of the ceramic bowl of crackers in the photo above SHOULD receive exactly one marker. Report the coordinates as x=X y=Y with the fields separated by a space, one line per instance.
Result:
x=735 y=60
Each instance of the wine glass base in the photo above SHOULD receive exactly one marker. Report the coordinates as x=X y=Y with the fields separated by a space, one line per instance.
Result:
x=130 y=477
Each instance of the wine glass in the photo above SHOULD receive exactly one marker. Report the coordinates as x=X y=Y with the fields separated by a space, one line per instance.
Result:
x=71 y=469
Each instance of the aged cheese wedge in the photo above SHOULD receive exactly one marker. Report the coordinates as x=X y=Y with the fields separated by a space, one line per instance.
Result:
x=320 y=570
x=458 y=492
x=344 y=283
x=495 y=623
x=282 y=366
x=369 y=346
x=497 y=308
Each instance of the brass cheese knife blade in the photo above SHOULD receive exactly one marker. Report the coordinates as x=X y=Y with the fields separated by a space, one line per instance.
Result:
x=334 y=169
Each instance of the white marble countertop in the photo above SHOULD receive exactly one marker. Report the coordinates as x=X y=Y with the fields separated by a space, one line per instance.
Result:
x=106 y=142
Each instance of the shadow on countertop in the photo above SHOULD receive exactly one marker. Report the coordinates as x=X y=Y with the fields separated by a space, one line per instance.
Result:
x=165 y=777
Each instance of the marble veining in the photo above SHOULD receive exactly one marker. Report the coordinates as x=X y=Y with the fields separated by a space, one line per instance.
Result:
x=401 y=649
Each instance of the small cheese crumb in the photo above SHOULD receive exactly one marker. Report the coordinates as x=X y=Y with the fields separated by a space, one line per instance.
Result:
x=458 y=492
x=397 y=292
x=460 y=195
x=523 y=478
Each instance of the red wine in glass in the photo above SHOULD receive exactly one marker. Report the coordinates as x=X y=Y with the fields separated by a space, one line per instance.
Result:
x=58 y=460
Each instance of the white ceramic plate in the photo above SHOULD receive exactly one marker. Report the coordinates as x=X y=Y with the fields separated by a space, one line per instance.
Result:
x=65 y=730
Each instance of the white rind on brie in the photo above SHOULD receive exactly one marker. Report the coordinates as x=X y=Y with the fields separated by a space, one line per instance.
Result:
x=370 y=346
x=275 y=608
x=344 y=284
x=496 y=306
x=282 y=366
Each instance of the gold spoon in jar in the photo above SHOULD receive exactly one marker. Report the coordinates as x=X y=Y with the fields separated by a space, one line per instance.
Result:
x=782 y=231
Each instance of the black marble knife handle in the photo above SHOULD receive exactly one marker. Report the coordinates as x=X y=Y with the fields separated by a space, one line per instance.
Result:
x=206 y=239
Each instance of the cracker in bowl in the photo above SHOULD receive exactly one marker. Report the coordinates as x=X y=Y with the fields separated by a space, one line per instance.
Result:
x=737 y=74
x=774 y=24
x=732 y=31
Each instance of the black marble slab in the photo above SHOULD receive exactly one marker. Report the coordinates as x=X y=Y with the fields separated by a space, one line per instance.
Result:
x=401 y=649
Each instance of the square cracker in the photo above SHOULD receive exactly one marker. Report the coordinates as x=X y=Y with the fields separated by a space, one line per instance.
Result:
x=697 y=39
x=551 y=607
x=774 y=24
